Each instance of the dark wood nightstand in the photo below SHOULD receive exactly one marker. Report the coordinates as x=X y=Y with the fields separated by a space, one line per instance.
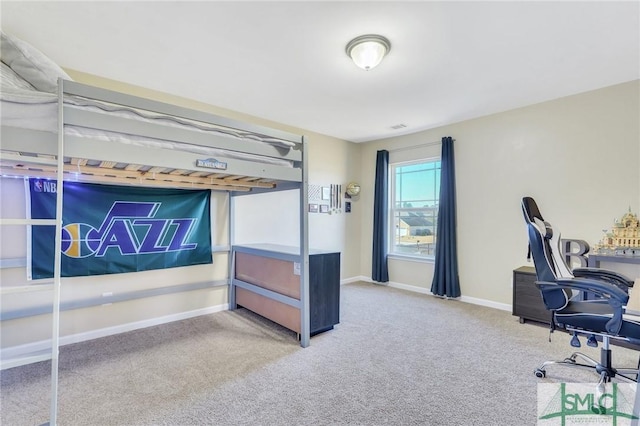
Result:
x=527 y=300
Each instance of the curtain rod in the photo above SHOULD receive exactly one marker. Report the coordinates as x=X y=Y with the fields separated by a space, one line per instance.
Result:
x=423 y=145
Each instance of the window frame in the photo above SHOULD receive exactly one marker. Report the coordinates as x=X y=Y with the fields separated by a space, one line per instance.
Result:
x=392 y=209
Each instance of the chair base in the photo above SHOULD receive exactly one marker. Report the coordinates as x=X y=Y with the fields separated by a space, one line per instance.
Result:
x=604 y=368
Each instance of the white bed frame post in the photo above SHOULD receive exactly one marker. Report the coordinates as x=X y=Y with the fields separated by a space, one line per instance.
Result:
x=57 y=266
x=305 y=328
x=232 y=253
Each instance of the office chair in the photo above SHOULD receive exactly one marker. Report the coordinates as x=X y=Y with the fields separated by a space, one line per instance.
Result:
x=563 y=293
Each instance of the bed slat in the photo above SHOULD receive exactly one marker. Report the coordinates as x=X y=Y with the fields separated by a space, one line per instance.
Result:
x=99 y=174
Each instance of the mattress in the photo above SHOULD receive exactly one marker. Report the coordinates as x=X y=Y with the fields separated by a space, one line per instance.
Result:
x=25 y=107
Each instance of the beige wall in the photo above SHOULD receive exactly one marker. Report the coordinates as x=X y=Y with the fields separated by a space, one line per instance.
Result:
x=577 y=156
x=270 y=217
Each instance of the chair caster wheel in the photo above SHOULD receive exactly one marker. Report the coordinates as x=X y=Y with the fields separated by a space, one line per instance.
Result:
x=540 y=373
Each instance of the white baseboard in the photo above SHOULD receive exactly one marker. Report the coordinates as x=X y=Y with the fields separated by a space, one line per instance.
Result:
x=22 y=350
x=408 y=287
x=466 y=299
x=487 y=303
x=354 y=280
x=43 y=345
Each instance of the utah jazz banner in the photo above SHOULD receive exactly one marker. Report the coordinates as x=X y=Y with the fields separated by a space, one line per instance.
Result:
x=113 y=229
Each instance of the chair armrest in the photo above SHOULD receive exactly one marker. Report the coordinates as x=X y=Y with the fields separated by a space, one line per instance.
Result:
x=604 y=274
x=598 y=287
x=615 y=297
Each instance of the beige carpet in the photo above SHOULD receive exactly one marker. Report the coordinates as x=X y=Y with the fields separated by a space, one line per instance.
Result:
x=396 y=358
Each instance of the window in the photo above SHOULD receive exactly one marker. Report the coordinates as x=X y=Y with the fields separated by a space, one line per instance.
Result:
x=415 y=188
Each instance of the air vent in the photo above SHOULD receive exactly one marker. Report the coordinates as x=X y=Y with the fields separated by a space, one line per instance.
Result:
x=398 y=126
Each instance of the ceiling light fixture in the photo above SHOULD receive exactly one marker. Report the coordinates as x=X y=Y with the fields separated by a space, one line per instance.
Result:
x=368 y=50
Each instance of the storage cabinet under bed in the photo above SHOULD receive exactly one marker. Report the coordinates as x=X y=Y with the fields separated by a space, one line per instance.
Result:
x=267 y=281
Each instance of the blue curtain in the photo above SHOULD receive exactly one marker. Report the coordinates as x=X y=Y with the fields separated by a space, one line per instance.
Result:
x=445 y=276
x=379 y=272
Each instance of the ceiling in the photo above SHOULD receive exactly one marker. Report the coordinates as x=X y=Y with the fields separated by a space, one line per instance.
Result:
x=285 y=61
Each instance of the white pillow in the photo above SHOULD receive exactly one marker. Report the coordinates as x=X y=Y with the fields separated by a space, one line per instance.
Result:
x=30 y=64
x=10 y=80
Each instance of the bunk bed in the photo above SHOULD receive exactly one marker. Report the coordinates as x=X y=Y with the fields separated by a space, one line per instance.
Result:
x=56 y=128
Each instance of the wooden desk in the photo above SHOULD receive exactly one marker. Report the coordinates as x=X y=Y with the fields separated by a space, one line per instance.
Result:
x=593 y=260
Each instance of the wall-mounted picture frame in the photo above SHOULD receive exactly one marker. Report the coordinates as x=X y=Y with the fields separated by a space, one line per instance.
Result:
x=326 y=192
x=313 y=208
x=324 y=208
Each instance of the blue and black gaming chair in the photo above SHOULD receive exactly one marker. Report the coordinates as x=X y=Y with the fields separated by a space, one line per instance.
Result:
x=563 y=292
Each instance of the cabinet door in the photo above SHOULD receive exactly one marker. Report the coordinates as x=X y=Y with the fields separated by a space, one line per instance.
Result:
x=324 y=289
x=527 y=300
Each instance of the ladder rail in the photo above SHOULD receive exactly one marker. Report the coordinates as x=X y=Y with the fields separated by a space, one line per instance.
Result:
x=57 y=264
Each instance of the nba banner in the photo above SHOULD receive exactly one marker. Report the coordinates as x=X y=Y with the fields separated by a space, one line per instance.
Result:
x=114 y=229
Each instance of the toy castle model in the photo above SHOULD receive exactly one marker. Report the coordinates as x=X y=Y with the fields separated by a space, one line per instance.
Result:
x=624 y=237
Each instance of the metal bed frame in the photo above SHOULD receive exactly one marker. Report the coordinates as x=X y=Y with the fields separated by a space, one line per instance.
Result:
x=66 y=157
